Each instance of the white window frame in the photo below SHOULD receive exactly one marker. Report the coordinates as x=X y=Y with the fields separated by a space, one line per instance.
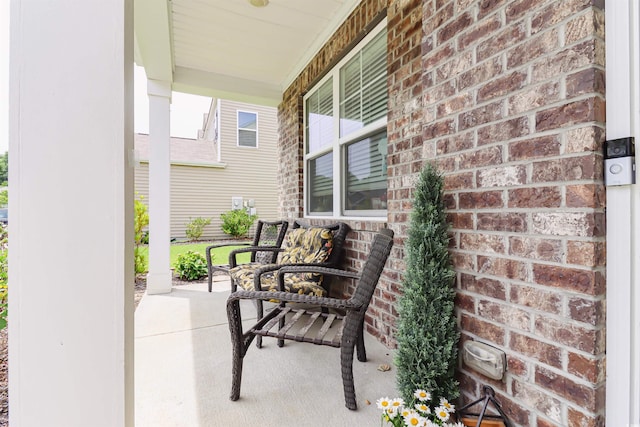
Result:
x=339 y=144
x=238 y=128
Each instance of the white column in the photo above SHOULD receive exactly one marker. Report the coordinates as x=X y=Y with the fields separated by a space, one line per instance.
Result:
x=71 y=231
x=159 y=277
x=623 y=222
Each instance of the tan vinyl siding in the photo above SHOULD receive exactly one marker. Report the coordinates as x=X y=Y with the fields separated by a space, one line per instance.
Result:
x=206 y=191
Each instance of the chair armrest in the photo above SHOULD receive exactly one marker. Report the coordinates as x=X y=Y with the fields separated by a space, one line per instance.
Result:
x=232 y=255
x=335 y=303
x=208 y=249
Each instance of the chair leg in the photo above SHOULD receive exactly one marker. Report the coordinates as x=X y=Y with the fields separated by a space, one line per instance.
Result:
x=209 y=270
x=346 y=364
x=259 y=314
x=360 y=350
x=235 y=327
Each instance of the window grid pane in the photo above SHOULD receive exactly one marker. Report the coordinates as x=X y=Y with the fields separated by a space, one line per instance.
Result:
x=319 y=120
x=366 y=170
x=321 y=184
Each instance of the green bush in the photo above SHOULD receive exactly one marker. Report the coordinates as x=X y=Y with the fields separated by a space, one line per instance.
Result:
x=237 y=223
x=191 y=266
x=4 y=275
x=195 y=227
x=427 y=332
x=141 y=220
x=4 y=197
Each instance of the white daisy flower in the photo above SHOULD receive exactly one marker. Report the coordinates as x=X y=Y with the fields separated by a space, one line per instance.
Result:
x=442 y=413
x=421 y=407
x=413 y=419
x=383 y=403
x=422 y=395
x=445 y=404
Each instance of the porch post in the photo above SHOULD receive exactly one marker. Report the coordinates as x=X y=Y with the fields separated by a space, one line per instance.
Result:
x=159 y=277
x=623 y=222
x=71 y=207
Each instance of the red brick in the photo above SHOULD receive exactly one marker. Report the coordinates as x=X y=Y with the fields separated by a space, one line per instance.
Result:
x=587 y=311
x=485 y=243
x=460 y=220
x=556 y=12
x=585 y=110
x=518 y=8
x=465 y=302
x=585 y=167
x=511 y=222
x=501 y=86
x=588 y=368
x=442 y=128
x=533 y=97
x=484 y=330
x=457 y=65
x=462 y=261
x=482 y=30
x=454 y=105
x=544 y=146
x=483 y=157
x=501 y=41
x=585 y=82
x=542 y=352
x=587 y=25
x=455 y=27
x=455 y=143
x=541 y=422
x=587 y=397
x=532 y=49
x=481 y=200
x=535 y=197
x=586 y=196
x=503 y=176
x=570 y=279
x=438 y=56
x=483 y=286
x=485 y=7
x=582 y=224
x=587 y=53
x=479 y=116
x=536 y=248
x=502 y=267
x=578 y=418
x=590 y=138
x=507 y=315
x=458 y=181
x=517 y=366
x=503 y=131
x=589 y=254
x=538 y=299
x=436 y=20
x=543 y=402
x=479 y=74
x=570 y=335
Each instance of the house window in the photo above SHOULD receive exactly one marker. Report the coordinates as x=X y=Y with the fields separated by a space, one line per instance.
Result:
x=247 y=129
x=346 y=134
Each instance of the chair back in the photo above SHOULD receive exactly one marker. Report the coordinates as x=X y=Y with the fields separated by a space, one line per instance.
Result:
x=380 y=250
x=268 y=233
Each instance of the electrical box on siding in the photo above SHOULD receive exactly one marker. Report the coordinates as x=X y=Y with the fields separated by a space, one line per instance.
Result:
x=236 y=203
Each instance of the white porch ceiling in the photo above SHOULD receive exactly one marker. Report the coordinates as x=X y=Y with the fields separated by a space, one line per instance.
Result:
x=231 y=49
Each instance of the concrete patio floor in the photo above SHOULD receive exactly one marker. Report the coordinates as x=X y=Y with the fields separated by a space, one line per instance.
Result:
x=183 y=370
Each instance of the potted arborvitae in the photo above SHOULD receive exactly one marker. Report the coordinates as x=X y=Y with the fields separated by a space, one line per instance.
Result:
x=427 y=331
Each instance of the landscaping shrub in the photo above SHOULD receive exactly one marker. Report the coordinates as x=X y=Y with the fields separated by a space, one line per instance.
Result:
x=427 y=332
x=237 y=223
x=141 y=220
x=191 y=266
x=195 y=227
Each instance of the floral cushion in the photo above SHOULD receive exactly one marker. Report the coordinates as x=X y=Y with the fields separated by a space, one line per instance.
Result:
x=302 y=245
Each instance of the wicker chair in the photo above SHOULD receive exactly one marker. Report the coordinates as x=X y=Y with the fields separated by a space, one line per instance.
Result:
x=326 y=251
x=348 y=335
x=268 y=234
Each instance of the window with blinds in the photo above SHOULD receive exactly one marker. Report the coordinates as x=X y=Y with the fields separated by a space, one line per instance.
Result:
x=346 y=134
x=247 y=129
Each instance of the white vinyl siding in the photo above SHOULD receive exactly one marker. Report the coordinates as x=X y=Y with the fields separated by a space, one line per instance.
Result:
x=345 y=135
x=206 y=190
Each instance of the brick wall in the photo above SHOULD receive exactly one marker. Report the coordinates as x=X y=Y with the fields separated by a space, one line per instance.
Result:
x=507 y=97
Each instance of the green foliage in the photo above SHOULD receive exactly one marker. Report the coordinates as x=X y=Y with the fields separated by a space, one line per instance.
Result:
x=237 y=223
x=4 y=197
x=4 y=275
x=4 y=169
x=195 y=227
x=427 y=331
x=191 y=266
x=141 y=220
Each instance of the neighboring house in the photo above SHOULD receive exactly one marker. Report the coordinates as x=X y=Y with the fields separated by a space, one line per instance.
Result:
x=234 y=159
x=507 y=99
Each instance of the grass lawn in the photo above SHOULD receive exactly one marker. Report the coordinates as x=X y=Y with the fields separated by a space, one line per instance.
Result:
x=220 y=255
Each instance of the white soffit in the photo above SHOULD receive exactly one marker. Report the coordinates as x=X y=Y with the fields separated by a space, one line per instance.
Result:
x=230 y=46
